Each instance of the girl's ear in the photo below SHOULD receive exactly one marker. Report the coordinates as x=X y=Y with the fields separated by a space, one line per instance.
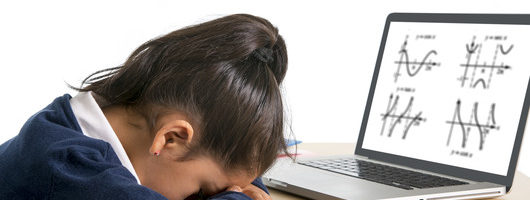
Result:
x=172 y=137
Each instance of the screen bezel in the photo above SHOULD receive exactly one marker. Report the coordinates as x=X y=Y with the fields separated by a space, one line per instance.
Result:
x=479 y=176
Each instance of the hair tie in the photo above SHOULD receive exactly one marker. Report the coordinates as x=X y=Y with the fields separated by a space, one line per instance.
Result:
x=263 y=54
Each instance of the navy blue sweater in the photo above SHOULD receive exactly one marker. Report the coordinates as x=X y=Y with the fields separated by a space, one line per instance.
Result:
x=52 y=159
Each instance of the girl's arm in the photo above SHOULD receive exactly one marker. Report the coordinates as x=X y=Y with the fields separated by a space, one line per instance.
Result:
x=255 y=191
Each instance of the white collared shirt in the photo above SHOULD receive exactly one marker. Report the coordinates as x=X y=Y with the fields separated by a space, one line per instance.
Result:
x=94 y=124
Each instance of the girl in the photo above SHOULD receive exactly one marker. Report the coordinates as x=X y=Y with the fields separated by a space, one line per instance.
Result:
x=195 y=112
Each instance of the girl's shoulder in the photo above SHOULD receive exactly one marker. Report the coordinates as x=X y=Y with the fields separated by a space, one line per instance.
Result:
x=53 y=157
x=54 y=133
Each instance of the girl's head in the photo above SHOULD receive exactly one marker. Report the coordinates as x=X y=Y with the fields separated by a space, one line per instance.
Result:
x=210 y=93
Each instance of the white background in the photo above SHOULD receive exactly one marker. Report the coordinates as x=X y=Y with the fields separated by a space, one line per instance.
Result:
x=332 y=49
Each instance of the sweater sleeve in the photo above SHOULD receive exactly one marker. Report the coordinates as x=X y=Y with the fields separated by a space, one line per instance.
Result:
x=230 y=195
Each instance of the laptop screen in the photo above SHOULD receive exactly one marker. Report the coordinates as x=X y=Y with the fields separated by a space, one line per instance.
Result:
x=450 y=93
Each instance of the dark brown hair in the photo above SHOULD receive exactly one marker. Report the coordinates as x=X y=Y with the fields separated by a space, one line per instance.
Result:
x=225 y=74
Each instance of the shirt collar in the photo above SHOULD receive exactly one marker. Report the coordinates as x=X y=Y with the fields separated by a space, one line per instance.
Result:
x=94 y=124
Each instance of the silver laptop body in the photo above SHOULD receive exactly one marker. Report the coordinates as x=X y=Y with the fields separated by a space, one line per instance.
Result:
x=448 y=98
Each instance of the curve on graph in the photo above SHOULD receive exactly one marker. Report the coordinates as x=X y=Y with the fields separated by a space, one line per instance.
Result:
x=413 y=73
x=464 y=138
x=475 y=108
x=398 y=120
x=391 y=108
x=507 y=51
x=471 y=49
x=480 y=81
x=416 y=118
x=492 y=113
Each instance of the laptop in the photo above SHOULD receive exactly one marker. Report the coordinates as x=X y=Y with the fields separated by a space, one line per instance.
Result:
x=444 y=119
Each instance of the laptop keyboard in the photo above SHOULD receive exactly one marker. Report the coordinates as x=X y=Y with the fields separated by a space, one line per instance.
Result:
x=379 y=173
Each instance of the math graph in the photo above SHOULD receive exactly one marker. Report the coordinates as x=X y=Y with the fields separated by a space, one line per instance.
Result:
x=478 y=71
x=413 y=66
x=475 y=125
x=400 y=117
